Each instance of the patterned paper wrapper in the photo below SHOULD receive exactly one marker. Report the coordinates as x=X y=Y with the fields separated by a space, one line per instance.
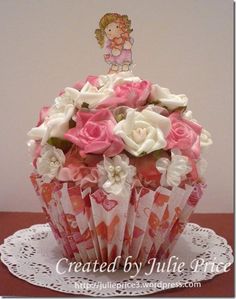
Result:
x=180 y=222
x=91 y=225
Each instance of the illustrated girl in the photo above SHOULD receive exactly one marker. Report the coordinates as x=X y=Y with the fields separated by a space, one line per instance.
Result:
x=114 y=34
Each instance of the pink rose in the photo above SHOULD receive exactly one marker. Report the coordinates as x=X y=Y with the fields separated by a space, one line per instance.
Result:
x=91 y=79
x=94 y=133
x=131 y=94
x=184 y=135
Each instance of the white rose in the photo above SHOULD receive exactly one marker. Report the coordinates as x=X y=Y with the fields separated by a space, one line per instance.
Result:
x=115 y=175
x=50 y=162
x=166 y=98
x=174 y=171
x=69 y=97
x=205 y=139
x=143 y=132
x=111 y=80
x=92 y=96
x=56 y=124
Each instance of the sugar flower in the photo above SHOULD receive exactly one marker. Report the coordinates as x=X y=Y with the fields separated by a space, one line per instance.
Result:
x=50 y=162
x=94 y=133
x=174 y=170
x=143 y=132
x=166 y=98
x=115 y=175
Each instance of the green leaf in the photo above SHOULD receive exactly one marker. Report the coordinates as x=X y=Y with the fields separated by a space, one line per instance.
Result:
x=120 y=117
x=181 y=109
x=72 y=123
x=155 y=102
x=157 y=154
x=143 y=154
x=64 y=145
x=85 y=105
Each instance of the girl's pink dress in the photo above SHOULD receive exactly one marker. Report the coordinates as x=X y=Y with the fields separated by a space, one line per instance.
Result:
x=125 y=56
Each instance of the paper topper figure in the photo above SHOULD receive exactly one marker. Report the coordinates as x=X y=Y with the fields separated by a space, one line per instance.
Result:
x=114 y=34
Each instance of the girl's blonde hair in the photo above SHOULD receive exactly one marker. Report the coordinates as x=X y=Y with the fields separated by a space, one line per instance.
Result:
x=107 y=19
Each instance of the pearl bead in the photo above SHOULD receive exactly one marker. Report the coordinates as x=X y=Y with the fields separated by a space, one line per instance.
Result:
x=118 y=168
x=111 y=168
x=53 y=159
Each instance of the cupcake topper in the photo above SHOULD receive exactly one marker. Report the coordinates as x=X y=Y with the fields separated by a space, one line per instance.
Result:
x=113 y=35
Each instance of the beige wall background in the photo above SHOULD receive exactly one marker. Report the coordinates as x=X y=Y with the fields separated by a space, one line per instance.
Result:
x=186 y=45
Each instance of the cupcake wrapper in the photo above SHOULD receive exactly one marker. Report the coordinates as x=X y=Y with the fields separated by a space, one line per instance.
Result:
x=93 y=225
x=45 y=193
x=79 y=232
x=178 y=227
x=109 y=215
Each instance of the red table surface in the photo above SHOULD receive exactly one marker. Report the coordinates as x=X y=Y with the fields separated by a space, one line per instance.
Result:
x=220 y=286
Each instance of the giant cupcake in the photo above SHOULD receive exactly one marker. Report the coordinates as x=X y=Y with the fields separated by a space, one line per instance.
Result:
x=118 y=168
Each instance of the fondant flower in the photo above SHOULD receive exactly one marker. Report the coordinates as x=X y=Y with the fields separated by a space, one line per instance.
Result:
x=50 y=162
x=143 y=132
x=166 y=98
x=173 y=171
x=94 y=133
x=56 y=123
x=115 y=175
x=184 y=135
x=131 y=94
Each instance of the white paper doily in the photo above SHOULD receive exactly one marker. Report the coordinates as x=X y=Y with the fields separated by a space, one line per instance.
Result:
x=32 y=253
